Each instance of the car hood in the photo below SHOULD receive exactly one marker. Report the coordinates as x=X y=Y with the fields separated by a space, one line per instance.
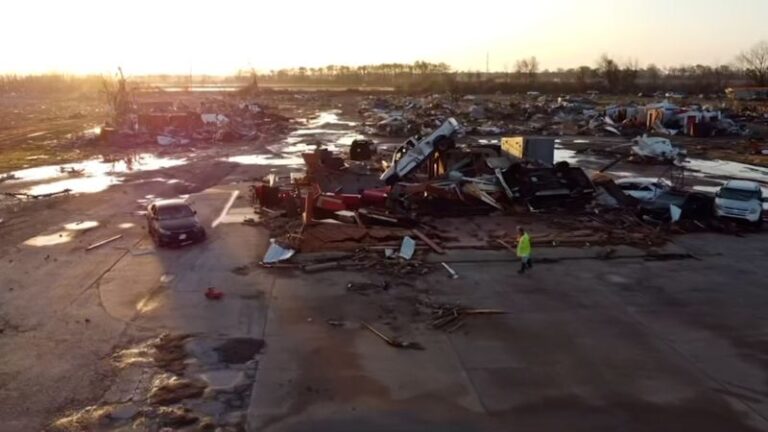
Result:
x=736 y=204
x=181 y=224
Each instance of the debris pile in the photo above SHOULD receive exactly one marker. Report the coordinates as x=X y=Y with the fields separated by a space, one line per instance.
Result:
x=449 y=318
x=214 y=121
x=151 y=118
x=373 y=203
x=544 y=115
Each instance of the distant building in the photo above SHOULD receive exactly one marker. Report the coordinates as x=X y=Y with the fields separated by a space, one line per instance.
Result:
x=747 y=93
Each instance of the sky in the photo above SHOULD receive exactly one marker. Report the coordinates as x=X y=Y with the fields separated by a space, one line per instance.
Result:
x=222 y=36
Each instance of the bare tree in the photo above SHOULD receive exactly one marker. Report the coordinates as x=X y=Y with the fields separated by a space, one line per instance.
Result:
x=582 y=74
x=528 y=67
x=117 y=97
x=755 y=63
x=629 y=74
x=653 y=73
x=609 y=71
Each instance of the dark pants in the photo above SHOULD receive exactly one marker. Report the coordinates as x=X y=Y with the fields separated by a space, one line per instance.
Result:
x=525 y=264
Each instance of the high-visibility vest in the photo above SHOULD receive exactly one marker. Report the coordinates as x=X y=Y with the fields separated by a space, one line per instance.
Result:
x=524 y=245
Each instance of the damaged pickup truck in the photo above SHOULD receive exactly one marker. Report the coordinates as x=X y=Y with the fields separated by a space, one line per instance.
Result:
x=415 y=151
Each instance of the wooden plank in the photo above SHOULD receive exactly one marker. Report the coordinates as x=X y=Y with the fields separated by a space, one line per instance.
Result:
x=435 y=247
x=103 y=242
x=507 y=245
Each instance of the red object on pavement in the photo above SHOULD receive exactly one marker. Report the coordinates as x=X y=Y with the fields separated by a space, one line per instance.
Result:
x=213 y=294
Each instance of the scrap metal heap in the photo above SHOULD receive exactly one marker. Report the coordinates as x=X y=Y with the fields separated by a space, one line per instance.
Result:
x=546 y=115
x=350 y=205
x=155 y=118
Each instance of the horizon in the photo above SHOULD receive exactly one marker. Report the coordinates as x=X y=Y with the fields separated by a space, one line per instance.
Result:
x=237 y=35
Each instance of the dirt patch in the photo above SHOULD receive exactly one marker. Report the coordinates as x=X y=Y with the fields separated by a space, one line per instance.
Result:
x=176 y=417
x=169 y=352
x=83 y=419
x=169 y=390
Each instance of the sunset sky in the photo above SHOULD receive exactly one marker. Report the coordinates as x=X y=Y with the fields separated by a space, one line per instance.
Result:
x=219 y=37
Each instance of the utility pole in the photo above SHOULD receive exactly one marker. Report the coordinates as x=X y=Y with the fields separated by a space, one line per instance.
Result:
x=487 y=63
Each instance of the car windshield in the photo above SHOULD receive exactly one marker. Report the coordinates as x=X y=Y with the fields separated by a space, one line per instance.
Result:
x=174 y=212
x=738 y=194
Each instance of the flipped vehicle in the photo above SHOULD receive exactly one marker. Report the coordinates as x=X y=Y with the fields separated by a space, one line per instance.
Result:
x=673 y=205
x=173 y=222
x=417 y=150
x=740 y=199
x=644 y=189
x=656 y=149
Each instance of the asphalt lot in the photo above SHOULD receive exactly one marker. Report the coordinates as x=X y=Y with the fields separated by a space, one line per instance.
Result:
x=626 y=344
x=587 y=345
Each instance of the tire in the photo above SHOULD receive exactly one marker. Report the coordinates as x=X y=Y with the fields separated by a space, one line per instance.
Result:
x=156 y=239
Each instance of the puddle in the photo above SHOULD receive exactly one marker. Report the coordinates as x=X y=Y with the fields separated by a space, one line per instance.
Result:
x=81 y=225
x=563 y=154
x=305 y=132
x=239 y=350
x=488 y=141
x=326 y=129
x=727 y=170
x=348 y=138
x=304 y=148
x=50 y=239
x=266 y=159
x=88 y=176
x=329 y=118
x=79 y=185
x=63 y=236
x=94 y=131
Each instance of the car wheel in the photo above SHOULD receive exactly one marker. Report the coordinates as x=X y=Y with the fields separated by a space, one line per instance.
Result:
x=156 y=239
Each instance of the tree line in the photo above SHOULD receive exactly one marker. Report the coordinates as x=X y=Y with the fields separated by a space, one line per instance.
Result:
x=375 y=74
x=606 y=75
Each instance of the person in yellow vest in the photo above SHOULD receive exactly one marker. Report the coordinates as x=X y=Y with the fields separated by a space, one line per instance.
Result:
x=524 y=250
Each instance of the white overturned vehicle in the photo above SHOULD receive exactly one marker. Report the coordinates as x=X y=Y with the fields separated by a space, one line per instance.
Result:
x=414 y=152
